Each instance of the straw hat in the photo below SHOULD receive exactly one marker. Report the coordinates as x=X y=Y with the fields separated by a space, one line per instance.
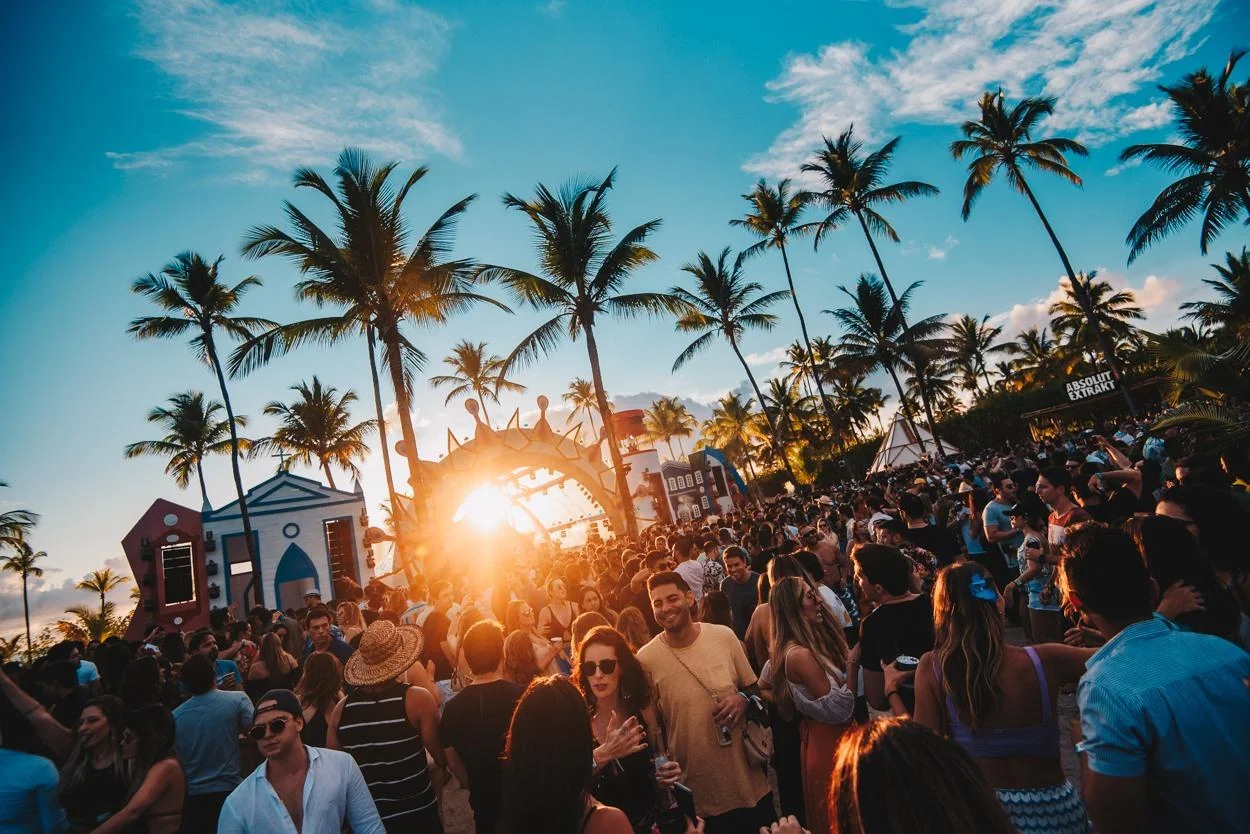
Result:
x=385 y=651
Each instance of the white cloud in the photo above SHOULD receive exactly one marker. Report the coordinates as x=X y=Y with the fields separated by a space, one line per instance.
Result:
x=1092 y=55
x=938 y=253
x=1158 y=296
x=768 y=357
x=277 y=90
x=553 y=8
x=49 y=599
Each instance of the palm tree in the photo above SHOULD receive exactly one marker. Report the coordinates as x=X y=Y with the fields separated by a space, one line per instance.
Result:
x=1213 y=116
x=732 y=428
x=874 y=335
x=370 y=274
x=316 y=429
x=1003 y=140
x=787 y=408
x=197 y=303
x=101 y=582
x=584 y=274
x=799 y=365
x=852 y=188
x=22 y=562
x=971 y=344
x=1092 y=314
x=193 y=429
x=476 y=371
x=88 y=626
x=15 y=526
x=667 y=418
x=10 y=646
x=773 y=217
x=581 y=398
x=1038 y=359
x=1232 y=310
x=725 y=304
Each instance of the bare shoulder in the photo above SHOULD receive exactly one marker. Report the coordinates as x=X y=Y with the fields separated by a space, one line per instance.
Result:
x=1067 y=661
x=608 y=820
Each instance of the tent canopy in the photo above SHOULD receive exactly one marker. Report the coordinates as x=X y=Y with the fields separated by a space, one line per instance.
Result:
x=901 y=445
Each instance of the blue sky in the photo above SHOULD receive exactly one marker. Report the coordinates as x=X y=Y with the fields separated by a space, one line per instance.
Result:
x=139 y=130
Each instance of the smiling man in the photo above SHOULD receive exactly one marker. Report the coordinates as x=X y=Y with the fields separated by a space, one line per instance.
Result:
x=701 y=681
x=297 y=788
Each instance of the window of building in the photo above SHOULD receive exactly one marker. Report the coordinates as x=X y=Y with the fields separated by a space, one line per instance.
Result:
x=694 y=511
x=672 y=485
x=698 y=477
x=687 y=481
x=179 y=574
x=339 y=548
x=706 y=505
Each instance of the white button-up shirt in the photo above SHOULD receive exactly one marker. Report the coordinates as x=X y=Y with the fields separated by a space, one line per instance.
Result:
x=334 y=793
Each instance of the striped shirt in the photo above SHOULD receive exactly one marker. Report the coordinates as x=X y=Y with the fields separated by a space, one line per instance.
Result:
x=374 y=728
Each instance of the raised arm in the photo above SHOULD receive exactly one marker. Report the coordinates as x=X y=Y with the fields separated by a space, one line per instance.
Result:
x=58 y=739
x=155 y=783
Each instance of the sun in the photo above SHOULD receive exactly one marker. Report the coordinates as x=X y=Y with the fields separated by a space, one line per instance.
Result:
x=485 y=508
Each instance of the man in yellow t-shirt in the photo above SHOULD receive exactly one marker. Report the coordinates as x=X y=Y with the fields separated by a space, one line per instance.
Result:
x=699 y=674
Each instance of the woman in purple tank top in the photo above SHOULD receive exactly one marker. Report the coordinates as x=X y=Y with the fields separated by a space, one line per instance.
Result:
x=998 y=701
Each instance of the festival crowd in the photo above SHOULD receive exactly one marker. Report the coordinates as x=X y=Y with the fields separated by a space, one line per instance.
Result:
x=888 y=655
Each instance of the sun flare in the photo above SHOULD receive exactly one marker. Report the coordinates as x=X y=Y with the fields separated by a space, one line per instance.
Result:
x=485 y=508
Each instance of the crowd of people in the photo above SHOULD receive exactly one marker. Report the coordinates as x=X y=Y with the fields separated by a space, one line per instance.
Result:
x=886 y=655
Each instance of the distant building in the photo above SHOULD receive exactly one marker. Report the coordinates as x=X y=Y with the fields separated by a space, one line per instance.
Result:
x=702 y=485
x=186 y=563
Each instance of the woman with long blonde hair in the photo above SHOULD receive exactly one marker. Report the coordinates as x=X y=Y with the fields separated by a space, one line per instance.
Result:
x=319 y=690
x=350 y=620
x=807 y=675
x=273 y=667
x=999 y=702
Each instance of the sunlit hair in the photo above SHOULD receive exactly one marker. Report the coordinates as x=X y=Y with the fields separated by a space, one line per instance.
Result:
x=547 y=760
x=633 y=627
x=778 y=568
x=153 y=728
x=893 y=775
x=635 y=691
x=584 y=623
x=274 y=655
x=470 y=617
x=349 y=616
x=320 y=687
x=519 y=664
x=790 y=628
x=512 y=616
x=715 y=608
x=968 y=642
x=586 y=591
x=550 y=587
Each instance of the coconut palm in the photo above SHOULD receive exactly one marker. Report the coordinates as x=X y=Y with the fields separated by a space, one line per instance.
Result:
x=733 y=428
x=23 y=562
x=316 y=430
x=1092 y=315
x=725 y=304
x=581 y=399
x=667 y=418
x=88 y=626
x=101 y=582
x=379 y=281
x=1002 y=139
x=1232 y=309
x=774 y=217
x=476 y=371
x=787 y=409
x=198 y=304
x=15 y=526
x=10 y=646
x=1038 y=359
x=874 y=336
x=971 y=344
x=851 y=186
x=799 y=365
x=584 y=274
x=194 y=428
x=1213 y=159
x=857 y=402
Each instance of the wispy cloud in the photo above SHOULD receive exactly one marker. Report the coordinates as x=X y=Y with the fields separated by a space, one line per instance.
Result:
x=275 y=90
x=49 y=599
x=1092 y=55
x=553 y=8
x=1157 y=295
x=938 y=253
x=768 y=357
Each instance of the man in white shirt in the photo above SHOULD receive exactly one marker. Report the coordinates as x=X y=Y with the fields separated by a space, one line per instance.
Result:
x=301 y=789
x=688 y=566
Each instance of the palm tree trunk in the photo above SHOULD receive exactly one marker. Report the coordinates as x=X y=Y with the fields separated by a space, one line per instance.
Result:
x=199 y=471
x=481 y=400
x=622 y=483
x=1067 y=265
x=772 y=425
x=394 y=363
x=986 y=373
x=807 y=342
x=253 y=584
x=377 y=404
x=325 y=467
x=30 y=649
x=885 y=278
x=669 y=441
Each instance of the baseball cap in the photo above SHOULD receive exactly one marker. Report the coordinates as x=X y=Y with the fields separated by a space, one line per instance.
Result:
x=283 y=700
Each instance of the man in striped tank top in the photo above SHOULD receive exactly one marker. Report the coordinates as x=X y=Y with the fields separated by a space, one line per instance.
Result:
x=388 y=726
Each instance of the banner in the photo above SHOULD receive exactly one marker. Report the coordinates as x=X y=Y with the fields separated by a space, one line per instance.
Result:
x=1090 y=386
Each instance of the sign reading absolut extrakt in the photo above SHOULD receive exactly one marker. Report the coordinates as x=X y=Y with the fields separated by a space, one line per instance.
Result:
x=1090 y=386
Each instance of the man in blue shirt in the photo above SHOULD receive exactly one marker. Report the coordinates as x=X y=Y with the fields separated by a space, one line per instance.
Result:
x=207 y=729
x=28 y=794
x=226 y=672
x=1165 y=713
x=321 y=637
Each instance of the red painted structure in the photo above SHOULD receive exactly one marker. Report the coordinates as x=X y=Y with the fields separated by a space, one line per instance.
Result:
x=628 y=424
x=166 y=523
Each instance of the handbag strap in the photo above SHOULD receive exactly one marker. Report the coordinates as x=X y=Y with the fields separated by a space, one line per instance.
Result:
x=697 y=679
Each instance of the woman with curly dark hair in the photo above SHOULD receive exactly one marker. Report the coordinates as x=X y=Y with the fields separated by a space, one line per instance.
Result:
x=619 y=697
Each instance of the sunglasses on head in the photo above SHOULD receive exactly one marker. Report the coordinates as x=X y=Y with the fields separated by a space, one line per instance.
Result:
x=274 y=727
x=593 y=668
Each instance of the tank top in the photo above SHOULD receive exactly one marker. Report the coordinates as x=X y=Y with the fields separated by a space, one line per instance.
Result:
x=374 y=729
x=1041 y=739
x=101 y=794
x=837 y=706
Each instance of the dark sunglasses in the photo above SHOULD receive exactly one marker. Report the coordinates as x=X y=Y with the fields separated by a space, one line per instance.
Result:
x=275 y=727
x=605 y=666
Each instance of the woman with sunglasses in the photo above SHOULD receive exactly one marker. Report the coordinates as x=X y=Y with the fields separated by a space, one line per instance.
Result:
x=999 y=702
x=158 y=784
x=622 y=718
x=807 y=676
